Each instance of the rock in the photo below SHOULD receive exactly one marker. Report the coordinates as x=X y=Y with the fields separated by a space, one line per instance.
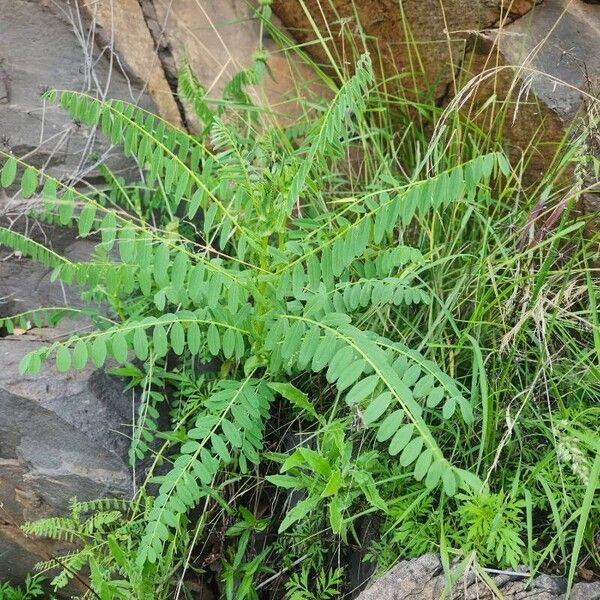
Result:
x=61 y=435
x=217 y=38
x=25 y=284
x=547 y=65
x=424 y=579
x=439 y=31
x=558 y=43
x=45 y=44
x=586 y=591
x=123 y=25
x=542 y=58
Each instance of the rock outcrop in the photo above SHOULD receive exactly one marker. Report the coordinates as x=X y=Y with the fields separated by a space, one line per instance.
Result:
x=131 y=50
x=43 y=45
x=61 y=435
x=428 y=40
x=424 y=579
x=546 y=66
x=542 y=58
x=217 y=38
x=124 y=27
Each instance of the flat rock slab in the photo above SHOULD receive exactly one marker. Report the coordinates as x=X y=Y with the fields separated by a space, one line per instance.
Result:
x=424 y=579
x=26 y=284
x=558 y=43
x=61 y=435
x=218 y=38
x=46 y=45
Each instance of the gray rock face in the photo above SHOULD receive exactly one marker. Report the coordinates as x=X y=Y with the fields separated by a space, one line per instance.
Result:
x=61 y=435
x=559 y=44
x=26 y=285
x=424 y=579
x=46 y=45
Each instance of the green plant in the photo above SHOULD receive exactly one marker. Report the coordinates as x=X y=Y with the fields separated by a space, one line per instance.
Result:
x=329 y=342
x=328 y=584
x=493 y=526
x=103 y=537
x=237 y=575
x=270 y=293
x=329 y=474
x=32 y=588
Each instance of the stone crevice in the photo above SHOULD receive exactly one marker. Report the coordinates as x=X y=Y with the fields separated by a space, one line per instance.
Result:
x=164 y=54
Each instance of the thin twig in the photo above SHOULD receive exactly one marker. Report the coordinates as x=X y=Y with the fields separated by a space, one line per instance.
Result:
x=279 y=573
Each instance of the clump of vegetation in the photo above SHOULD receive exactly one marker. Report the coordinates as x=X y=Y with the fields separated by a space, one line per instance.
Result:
x=31 y=588
x=333 y=340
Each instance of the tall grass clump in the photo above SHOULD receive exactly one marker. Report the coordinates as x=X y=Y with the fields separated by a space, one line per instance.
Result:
x=356 y=323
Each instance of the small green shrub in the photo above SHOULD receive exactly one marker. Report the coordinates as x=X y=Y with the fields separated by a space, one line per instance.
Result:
x=265 y=272
x=32 y=588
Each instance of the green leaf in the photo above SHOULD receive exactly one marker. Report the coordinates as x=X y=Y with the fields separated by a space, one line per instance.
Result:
x=24 y=364
x=98 y=351
x=424 y=386
x=108 y=227
x=308 y=347
x=66 y=208
x=285 y=481
x=333 y=485
x=220 y=448
x=80 y=355
x=63 y=359
x=433 y=474
x=177 y=338
x=411 y=452
x=159 y=341
x=86 y=219
x=435 y=397
x=213 y=339
x=401 y=438
x=336 y=518
x=195 y=203
x=119 y=347
x=449 y=408
x=323 y=354
x=232 y=433
x=117 y=552
x=194 y=338
x=369 y=489
x=297 y=397
x=228 y=343
x=29 y=182
x=49 y=192
x=449 y=481
x=412 y=375
x=161 y=265
x=179 y=270
x=376 y=408
x=9 y=172
x=362 y=390
x=390 y=425
x=298 y=512
x=140 y=343
x=315 y=462
x=350 y=374
x=422 y=464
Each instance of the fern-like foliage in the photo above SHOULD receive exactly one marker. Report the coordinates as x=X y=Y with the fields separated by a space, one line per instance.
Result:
x=231 y=426
x=87 y=523
x=257 y=266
